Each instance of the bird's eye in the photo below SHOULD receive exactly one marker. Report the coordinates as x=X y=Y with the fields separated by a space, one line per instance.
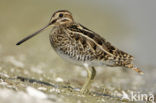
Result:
x=60 y=15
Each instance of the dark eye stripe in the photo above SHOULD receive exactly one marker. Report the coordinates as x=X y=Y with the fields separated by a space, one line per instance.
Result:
x=53 y=21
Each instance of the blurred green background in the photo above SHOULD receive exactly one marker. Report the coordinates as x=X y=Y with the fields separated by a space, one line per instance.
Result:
x=129 y=25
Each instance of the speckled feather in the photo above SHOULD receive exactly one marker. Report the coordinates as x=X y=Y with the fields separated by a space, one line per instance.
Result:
x=80 y=45
x=83 y=45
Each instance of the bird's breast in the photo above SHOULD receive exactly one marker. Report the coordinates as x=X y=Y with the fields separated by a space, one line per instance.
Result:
x=67 y=48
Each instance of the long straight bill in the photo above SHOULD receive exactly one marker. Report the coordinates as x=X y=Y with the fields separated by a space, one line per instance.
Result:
x=30 y=36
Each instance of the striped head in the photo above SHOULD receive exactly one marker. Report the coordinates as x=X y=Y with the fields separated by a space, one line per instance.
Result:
x=61 y=17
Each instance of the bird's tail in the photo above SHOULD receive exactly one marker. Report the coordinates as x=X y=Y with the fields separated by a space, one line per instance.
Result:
x=131 y=66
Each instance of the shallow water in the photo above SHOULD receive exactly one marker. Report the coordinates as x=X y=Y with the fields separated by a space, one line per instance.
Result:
x=32 y=72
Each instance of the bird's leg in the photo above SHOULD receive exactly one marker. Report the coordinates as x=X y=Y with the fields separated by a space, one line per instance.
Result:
x=91 y=72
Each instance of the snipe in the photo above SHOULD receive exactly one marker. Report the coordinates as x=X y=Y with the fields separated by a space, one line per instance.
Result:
x=82 y=46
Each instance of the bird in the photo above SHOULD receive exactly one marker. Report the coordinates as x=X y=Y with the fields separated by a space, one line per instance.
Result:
x=79 y=45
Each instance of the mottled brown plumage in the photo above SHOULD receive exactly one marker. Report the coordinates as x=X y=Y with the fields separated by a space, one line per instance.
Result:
x=78 y=44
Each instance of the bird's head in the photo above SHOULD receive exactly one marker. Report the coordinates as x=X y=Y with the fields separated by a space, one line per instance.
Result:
x=61 y=17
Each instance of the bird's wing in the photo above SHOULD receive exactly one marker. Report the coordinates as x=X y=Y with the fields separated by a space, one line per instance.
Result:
x=100 y=42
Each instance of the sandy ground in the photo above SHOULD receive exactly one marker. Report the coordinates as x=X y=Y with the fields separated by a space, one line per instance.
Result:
x=21 y=82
